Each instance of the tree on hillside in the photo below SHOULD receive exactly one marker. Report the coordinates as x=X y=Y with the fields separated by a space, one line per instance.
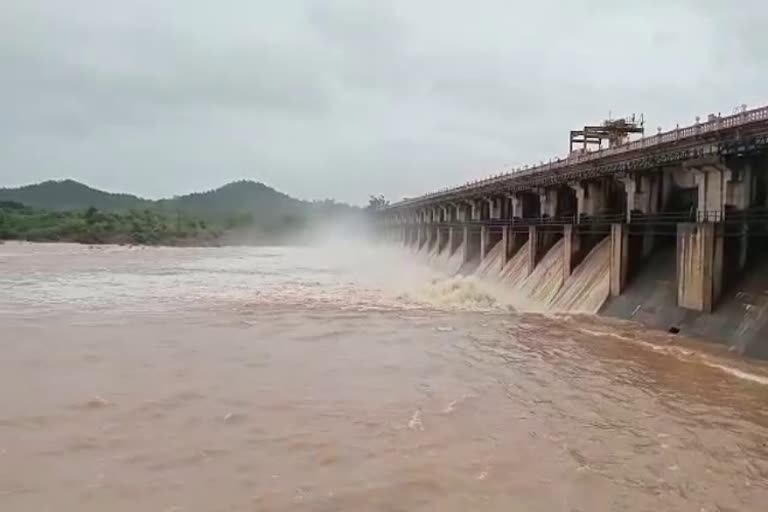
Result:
x=377 y=202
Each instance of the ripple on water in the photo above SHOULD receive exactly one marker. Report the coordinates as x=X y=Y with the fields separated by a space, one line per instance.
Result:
x=284 y=389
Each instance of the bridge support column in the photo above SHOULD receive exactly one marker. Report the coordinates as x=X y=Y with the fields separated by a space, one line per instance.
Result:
x=534 y=248
x=710 y=181
x=445 y=214
x=410 y=231
x=548 y=210
x=741 y=239
x=571 y=249
x=506 y=239
x=740 y=194
x=590 y=198
x=699 y=265
x=644 y=196
x=491 y=235
x=475 y=209
x=719 y=185
x=484 y=241
x=439 y=239
x=548 y=202
x=741 y=186
x=466 y=246
x=494 y=208
x=723 y=190
x=454 y=240
x=430 y=235
x=517 y=206
x=513 y=241
x=619 y=259
x=461 y=212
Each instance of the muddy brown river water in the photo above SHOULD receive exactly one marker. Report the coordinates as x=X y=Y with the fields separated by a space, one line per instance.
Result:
x=281 y=379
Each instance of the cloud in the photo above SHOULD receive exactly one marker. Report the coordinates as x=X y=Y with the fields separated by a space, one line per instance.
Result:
x=344 y=98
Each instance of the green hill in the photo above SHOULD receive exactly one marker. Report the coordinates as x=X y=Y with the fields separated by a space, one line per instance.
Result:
x=69 y=195
x=236 y=198
x=242 y=210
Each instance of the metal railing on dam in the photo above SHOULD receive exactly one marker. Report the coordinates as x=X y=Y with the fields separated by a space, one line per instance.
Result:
x=741 y=217
x=717 y=136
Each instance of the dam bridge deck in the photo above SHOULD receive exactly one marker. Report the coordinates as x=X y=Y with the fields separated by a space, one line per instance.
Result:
x=741 y=133
x=752 y=216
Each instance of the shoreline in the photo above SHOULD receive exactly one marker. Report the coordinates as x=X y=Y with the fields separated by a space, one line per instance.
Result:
x=219 y=243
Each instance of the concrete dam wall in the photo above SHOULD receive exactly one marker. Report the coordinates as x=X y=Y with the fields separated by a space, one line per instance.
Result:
x=740 y=320
x=651 y=296
x=669 y=230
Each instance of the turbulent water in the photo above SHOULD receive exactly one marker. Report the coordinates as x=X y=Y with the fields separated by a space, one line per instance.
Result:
x=353 y=378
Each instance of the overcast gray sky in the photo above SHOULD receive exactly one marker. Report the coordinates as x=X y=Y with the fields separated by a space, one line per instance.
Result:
x=345 y=98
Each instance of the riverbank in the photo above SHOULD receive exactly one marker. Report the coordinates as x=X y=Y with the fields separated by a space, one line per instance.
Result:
x=92 y=226
x=162 y=227
x=136 y=227
x=126 y=241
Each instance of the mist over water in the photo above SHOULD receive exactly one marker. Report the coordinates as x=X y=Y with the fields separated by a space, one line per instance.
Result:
x=350 y=376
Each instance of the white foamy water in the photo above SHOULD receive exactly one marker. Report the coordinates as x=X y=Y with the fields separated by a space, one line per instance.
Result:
x=350 y=378
x=587 y=288
x=545 y=289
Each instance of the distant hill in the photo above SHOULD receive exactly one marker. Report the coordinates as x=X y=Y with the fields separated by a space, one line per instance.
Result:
x=242 y=211
x=236 y=198
x=240 y=197
x=69 y=195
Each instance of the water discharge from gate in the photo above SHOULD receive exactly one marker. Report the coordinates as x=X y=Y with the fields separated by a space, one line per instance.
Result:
x=545 y=289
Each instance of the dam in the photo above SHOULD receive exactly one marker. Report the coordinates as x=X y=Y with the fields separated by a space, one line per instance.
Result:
x=668 y=230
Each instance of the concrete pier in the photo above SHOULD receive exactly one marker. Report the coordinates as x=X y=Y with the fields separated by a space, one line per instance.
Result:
x=644 y=197
x=619 y=266
x=466 y=245
x=472 y=244
x=441 y=239
x=571 y=249
x=534 y=248
x=699 y=265
x=429 y=231
x=484 y=241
